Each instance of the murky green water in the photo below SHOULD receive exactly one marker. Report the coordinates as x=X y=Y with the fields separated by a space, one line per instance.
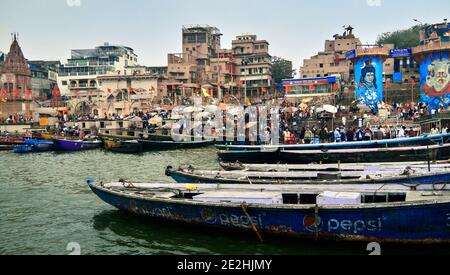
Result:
x=45 y=204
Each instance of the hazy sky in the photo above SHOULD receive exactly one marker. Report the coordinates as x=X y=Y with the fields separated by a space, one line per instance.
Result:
x=296 y=29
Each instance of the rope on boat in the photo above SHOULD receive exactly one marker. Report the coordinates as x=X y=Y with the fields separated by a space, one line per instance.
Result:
x=244 y=209
x=316 y=222
x=126 y=184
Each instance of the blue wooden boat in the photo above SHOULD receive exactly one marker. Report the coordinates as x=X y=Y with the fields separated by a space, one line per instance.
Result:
x=65 y=145
x=406 y=177
x=360 y=213
x=38 y=145
x=22 y=149
x=388 y=143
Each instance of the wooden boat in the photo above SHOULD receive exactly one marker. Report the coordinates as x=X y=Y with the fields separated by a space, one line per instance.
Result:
x=361 y=155
x=237 y=166
x=126 y=147
x=150 y=145
x=22 y=149
x=66 y=145
x=375 y=213
x=11 y=141
x=6 y=147
x=388 y=143
x=407 y=177
x=249 y=156
x=370 y=155
x=38 y=145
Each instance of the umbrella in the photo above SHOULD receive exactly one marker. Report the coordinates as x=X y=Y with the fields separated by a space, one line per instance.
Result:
x=330 y=109
x=202 y=115
x=192 y=109
x=223 y=107
x=319 y=110
x=156 y=121
x=307 y=100
x=212 y=108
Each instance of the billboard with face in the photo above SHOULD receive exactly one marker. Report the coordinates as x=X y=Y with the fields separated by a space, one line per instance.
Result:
x=435 y=81
x=369 y=81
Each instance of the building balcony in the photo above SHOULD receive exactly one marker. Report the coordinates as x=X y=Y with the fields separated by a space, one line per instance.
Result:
x=437 y=46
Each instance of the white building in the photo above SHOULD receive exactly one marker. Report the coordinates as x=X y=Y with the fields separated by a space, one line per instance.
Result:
x=80 y=72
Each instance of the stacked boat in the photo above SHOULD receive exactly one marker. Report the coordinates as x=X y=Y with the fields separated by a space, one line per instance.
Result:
x=432 y=147
x=386 y=191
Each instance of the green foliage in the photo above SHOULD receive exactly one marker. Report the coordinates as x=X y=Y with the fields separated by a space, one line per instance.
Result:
x=281 y=69
x=401 y=38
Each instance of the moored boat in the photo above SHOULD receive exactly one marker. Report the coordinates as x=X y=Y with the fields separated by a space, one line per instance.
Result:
x=337 y=167
x=21 y=149
x=151 y=145
x=369 y=155
x=40 y=145
x=65 y=145
x=126 y=147
x=407 y=177
x=354 y=213
x=387 y=143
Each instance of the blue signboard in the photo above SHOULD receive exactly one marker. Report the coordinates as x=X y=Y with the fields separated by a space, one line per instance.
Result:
x=400 y=53
x=351 y=54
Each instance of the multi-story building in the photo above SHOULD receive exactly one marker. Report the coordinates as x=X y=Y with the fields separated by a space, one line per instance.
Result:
x=254 y=64
x=120 y=95
x=44 y=77
x=191 y=69
x=332 y=61
x=81 y=70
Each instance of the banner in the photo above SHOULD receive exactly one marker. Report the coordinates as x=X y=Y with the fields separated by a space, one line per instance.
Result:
x=369 y=81
x=435 y=81
x=396 y=53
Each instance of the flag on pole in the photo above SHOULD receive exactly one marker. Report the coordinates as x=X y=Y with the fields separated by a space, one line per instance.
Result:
x=206 y=92
x=16 y=93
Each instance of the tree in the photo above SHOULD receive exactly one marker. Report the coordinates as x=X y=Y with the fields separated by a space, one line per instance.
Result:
x=281 y=69
x=407 y=38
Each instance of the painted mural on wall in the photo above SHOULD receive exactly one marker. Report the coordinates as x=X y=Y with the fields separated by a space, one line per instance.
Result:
x=435 y=82
x=369 y=81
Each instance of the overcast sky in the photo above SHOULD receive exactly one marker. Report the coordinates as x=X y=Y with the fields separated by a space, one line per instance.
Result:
x=296 y=29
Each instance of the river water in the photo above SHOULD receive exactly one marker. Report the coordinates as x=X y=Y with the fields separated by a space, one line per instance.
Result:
x=45 y=204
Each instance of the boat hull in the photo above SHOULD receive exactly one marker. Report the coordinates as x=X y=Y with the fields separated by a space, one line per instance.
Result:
x=75 y=145
x=149 y=145
x=405 y=223
x=125 y=147
x=388 y=143
x=368 y=155
x=430 y=180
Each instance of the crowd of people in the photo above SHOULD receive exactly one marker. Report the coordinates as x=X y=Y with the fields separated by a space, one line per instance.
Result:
x=16 y=119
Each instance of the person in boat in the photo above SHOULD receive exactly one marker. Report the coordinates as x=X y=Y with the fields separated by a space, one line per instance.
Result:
x=350 y=135
x=402 y=132
x=435 y=131
x=287 y=136
x=301 y=136
x=308 y=136
x=323 y=135
x=337 y=135
x=359 y=135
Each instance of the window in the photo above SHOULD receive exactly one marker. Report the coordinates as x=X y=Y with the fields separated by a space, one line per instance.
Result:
x=321 y=65
x=64 y=83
